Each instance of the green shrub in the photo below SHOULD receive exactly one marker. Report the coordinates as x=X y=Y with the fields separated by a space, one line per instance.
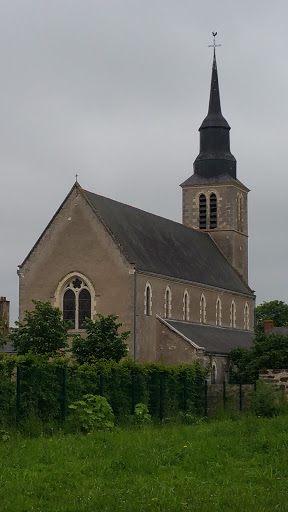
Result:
x=141 y=415
x=268 y=401
x=93 y=413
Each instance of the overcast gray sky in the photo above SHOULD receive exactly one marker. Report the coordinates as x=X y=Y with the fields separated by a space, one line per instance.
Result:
x=117 y=91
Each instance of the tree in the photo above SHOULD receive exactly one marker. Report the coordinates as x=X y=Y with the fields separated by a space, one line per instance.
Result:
x=275 y=310
x=43 y=331
x=2 y=337
x=103 y=341
x=269 y=351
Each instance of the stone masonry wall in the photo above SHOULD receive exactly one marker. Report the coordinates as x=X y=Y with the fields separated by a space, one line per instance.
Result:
x=277 y=377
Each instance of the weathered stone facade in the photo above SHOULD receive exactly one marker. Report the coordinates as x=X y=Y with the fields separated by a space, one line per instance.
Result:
x=277 y=377
x=231 y=234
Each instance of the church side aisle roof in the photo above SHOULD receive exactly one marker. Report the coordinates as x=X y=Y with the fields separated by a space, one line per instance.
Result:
x=215 y=340
x=165 y=247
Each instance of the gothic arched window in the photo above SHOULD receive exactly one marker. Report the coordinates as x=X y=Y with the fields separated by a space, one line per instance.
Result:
x=148 y=300
x=202 y=309
x=186 y=309
x=233 y=314
x=76 y=303
x=214 y=373
x=246 y=316
x=213 y=211
x=168 y=302
x=202 y=212
x=218 y=312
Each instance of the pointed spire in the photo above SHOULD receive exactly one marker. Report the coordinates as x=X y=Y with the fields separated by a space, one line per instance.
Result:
x=214 y=116
x=215 y=157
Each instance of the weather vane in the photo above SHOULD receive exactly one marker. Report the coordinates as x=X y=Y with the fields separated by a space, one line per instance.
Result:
x=214 y=45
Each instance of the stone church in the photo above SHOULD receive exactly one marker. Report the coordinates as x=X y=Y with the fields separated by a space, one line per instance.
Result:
x=180 y=289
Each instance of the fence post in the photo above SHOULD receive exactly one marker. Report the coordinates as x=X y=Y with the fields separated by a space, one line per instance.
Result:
x=133 y=394
x=64 y=394
x=185 y=394
x=205 y=398
x=101 y=384
x=18 y=402
x=224 y=393
x=161 y=397
x=240 y=396
x=255 y=386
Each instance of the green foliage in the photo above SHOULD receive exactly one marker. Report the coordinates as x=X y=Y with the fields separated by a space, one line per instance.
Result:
x=4 y=435
x=189 y=418
x=275 y=310
x=93 y=413
x=268 y=401
x=43 y=331
x=3 y=332
x=103 y=341
x=141 y=415
x=48 y=386
x=269 y=351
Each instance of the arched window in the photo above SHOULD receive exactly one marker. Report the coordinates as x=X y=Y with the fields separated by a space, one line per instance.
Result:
x=186 y=304
x=202 y=309
x=168 y=302
x=246 y=316
x=76 y=302
x=202 y=212
x=213 y=373
x=148 y=300
x=218 y=312
x=213 y=211
x=233 y=314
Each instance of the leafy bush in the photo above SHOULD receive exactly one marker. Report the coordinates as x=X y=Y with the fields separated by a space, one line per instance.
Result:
x=268 y=401
x=141 y=415
x=103 y=341
x=269 y=351
x=43 y=331
x=93 y=413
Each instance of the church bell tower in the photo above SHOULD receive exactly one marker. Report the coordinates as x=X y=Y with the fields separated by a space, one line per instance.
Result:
x=214 y=200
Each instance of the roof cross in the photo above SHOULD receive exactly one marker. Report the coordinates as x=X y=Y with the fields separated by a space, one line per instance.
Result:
x=76 y=176
x=214 y=45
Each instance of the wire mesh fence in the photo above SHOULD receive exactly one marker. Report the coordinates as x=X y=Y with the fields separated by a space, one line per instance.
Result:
x=47 y=393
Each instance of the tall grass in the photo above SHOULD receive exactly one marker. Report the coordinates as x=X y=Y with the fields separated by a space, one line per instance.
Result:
x=235 y=466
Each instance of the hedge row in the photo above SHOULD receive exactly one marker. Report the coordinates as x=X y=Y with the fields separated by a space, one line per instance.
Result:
x=46 y=388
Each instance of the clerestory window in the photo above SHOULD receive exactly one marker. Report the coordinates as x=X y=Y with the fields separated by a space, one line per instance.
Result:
x=186 y=308
x=148 y=300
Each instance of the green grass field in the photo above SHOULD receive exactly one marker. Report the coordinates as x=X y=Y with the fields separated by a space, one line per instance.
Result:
x=218 y=466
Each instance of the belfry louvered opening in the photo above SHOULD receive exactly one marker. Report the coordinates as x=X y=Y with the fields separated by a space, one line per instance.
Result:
x=202 y=212
x=213 y=211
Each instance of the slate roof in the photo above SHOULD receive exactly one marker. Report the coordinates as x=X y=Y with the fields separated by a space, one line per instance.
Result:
x=7 y=349
x=197 y=179
x=165 y=247
x=215 y=340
